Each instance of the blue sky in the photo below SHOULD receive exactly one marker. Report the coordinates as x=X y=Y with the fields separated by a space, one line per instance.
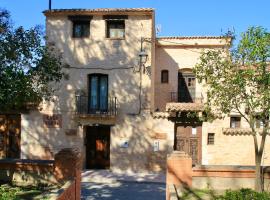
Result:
x=176 y=17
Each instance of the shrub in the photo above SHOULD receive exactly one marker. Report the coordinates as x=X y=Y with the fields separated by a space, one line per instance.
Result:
x=244 y=194
x=7 y=193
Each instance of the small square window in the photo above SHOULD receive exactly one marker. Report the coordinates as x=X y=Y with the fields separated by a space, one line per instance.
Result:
x=211 y=139
x=191 y=82
x=115 y=29
x=235 y=122
x=81 y=29
x=164 y=76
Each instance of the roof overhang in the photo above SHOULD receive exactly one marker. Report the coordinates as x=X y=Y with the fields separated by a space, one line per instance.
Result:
x=100 y=11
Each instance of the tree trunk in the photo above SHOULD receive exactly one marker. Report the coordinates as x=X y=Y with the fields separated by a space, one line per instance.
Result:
x=258 y=173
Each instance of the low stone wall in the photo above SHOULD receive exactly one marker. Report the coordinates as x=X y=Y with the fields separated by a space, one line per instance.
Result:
x=181 y=175
x=64 y=171
x=27 y=172
x=226 y=177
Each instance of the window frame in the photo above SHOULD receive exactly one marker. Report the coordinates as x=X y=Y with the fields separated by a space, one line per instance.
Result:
x=81 y=23
x=211 y=140
x=235 y=121
x=110 y=22
x=163 y=78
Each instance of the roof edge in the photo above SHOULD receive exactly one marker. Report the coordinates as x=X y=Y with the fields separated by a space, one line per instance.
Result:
x=192 y=37
x=96 y=10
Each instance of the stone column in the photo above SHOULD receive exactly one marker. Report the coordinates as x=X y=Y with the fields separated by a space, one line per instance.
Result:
x=179 y=171
x=68 y=165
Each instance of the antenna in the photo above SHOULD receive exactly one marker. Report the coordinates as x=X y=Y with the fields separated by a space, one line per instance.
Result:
x=158 y=28
x=50 y=4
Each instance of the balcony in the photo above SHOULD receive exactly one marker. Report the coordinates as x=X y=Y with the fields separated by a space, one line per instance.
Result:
x=97 y=113
x=185 y=103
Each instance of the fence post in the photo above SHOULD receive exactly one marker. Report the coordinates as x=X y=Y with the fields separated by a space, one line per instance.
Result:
x=179 y=171
x=68 y=165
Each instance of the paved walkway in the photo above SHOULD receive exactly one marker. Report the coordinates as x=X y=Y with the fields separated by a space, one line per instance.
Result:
x=105 y=185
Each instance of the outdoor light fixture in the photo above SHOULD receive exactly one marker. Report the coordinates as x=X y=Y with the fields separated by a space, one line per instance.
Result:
x=143 y=57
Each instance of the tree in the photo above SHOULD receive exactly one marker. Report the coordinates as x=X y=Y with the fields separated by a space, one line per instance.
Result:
x=238 y=79
x=27 y=66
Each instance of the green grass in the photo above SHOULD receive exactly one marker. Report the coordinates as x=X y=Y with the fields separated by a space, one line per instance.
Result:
x=241 y=194
x=200 y=194
x=8 y=192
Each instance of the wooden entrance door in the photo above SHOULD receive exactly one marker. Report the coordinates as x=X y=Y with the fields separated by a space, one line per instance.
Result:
x=188 y=139
x=10 y=136
x=97 y=147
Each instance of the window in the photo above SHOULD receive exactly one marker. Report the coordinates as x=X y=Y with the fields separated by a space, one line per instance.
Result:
x=81 y=29
x=164 y=76
x=258 y=123
x=235 y=122
x=115 y=29
x=191 y=81
x=211 y=139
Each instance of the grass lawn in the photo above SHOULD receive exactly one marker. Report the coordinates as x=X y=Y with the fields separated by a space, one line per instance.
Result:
x=8 y=192
x=199 y=194
x=241 y=194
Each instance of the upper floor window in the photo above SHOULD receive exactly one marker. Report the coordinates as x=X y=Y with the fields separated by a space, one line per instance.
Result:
x=235 y=122
x=81 y=25
x=211 y=138
x=81 y=29
x=164 y=76
x=115 y=29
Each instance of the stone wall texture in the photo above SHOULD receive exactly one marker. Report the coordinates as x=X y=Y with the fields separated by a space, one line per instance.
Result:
x=118 y=59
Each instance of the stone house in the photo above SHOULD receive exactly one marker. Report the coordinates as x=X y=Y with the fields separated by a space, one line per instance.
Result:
x=117 y=106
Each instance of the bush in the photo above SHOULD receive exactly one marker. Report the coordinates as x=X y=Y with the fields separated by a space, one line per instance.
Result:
x=244 y=194
x=7 y=193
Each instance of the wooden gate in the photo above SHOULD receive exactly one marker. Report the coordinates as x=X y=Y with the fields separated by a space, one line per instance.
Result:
x=10 y=136
x=188 y=139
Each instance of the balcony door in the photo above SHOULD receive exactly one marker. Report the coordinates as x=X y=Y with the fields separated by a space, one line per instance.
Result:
x=186 y=87
x=98 y=93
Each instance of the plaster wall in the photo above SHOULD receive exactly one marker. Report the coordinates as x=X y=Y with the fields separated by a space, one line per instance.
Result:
x=117 y=58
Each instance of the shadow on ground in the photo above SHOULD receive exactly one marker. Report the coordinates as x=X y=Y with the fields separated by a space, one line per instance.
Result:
x=123 y=191
x=101 y=176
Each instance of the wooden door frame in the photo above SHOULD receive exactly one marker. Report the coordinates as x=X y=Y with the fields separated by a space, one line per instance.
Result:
x=199 y=136
x=92 y=138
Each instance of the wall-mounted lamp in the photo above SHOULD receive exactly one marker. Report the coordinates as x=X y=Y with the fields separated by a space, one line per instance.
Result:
x=143 y=57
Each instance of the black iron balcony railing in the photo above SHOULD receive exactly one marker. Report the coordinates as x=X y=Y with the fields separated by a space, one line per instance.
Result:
x=84 y=107
x=185 y=98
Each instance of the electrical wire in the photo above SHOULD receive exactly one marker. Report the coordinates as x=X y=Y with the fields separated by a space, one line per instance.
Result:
x=101 y=68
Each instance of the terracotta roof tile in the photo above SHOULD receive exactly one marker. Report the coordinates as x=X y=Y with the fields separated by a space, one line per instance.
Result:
x=237 y=131
x=160 y=115
x=180 y=107
x=190 y=37
x=240 y=131
x=100 y=10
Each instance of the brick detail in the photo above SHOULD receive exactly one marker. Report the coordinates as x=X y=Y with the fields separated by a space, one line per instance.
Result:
x=68 y=165
x=179 y=171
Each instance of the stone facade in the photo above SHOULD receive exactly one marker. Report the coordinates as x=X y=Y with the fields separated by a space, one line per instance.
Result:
x=117 y=58
x=148 y=138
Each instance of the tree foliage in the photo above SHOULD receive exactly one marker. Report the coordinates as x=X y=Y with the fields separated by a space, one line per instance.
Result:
x=27 y=65
x=238 y=80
